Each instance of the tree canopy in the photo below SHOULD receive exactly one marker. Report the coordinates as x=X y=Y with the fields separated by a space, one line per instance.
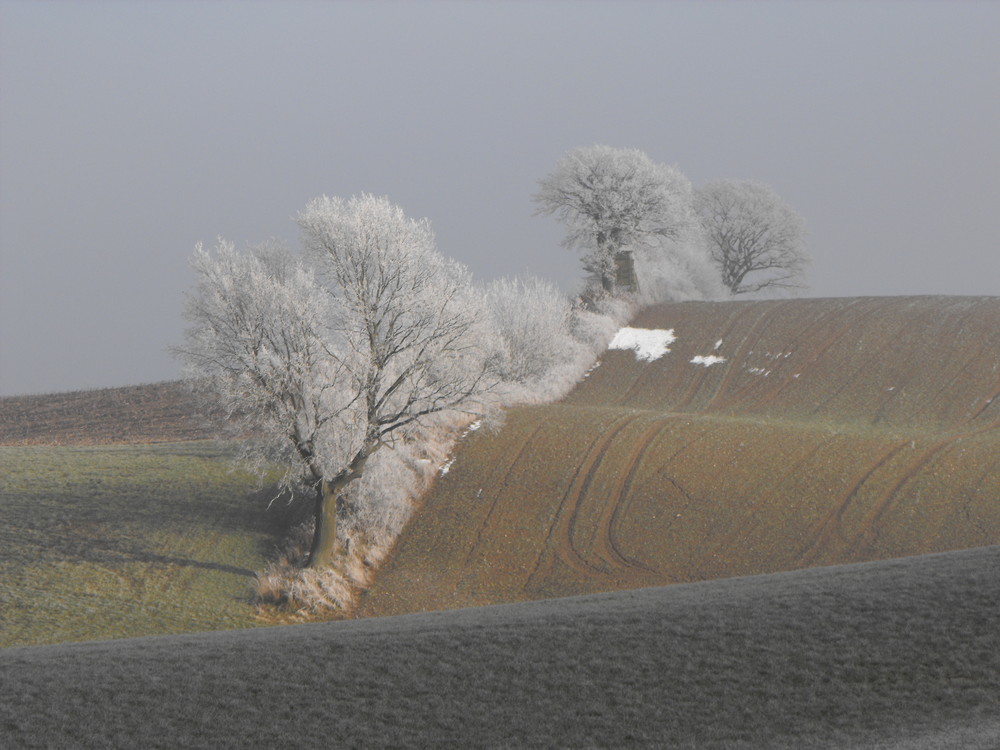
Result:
x=756 y=239
x=614 y=201
x=332 y=355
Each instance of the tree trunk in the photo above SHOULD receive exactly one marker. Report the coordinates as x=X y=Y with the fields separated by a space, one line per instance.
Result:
x=607 y=283
x=324 y=544
x=625 y=277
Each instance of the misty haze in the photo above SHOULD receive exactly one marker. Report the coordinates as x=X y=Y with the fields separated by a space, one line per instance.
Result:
x=499 y=374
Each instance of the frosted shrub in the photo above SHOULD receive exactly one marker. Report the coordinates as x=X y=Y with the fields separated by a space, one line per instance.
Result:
x=531 y=318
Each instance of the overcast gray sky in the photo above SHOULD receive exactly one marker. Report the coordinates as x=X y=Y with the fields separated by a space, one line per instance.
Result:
x=131 y=130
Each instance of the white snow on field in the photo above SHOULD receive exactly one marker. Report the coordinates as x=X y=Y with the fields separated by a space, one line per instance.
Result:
x=708 y=361
x=647 y=343
x=717 y=345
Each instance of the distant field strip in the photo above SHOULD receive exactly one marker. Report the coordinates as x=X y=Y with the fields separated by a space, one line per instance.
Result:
x=835 y=431
x=120 y=541
x=156 y=413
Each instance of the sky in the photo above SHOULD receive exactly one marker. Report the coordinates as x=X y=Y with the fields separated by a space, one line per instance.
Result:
x=130 y=131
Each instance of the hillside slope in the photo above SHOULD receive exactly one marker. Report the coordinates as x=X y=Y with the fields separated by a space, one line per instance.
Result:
x=835 y=430
x=154 y=413
x=897 y=654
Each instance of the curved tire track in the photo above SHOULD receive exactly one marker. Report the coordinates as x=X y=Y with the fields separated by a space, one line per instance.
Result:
x=833 y=523
x=559 y=539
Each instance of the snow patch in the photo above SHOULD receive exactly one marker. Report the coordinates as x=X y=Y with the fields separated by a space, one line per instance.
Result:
x=708 y=361
x=717 y=345
x=446 y=467
x=647 y=343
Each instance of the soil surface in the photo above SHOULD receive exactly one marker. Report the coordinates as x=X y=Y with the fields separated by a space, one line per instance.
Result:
x=835 y=431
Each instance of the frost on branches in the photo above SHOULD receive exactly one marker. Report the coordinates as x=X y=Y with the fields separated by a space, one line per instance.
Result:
x=330 y=356
x=616 y=203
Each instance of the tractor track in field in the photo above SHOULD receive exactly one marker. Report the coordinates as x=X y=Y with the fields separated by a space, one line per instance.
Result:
x=869 y=532
x=847 y=382
x=679 y=473
x=607 y=548
x=501 y=486
x=748 y=344
x=813 y=351
x=696 y=379
x=774 y=485
x=559 y=539
x=833 y=523
x=987 y=402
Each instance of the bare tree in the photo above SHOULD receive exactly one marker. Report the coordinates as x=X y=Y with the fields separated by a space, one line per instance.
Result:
x=756 y=240
x=614 y=201
x=335 y=355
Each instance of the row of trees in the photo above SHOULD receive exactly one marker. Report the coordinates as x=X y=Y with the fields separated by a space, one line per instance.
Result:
x=328 y=356
x=622 y=210
x=359 y=342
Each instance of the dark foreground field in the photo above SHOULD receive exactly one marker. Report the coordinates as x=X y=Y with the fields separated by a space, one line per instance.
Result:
x=895 y=654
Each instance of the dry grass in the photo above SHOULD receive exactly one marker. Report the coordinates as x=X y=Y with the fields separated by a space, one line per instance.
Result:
x=286 y=591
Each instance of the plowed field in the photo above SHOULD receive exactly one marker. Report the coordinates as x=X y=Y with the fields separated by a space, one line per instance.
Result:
x=834 y=431
x=156 y=413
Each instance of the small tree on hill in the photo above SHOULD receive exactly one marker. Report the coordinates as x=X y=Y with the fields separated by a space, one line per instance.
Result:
x=756 y=240
x=614 y=201
x=333 y=356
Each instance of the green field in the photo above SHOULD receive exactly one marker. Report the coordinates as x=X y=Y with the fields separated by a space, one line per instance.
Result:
x=118 y=541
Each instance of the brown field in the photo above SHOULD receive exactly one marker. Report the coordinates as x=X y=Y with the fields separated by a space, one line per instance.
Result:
x=836 y=431
x=158 y=413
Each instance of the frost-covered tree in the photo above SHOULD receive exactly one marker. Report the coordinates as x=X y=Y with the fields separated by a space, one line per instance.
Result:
x=755 y=238
x=335 y=355
x=260 y=340
x=613 y=202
